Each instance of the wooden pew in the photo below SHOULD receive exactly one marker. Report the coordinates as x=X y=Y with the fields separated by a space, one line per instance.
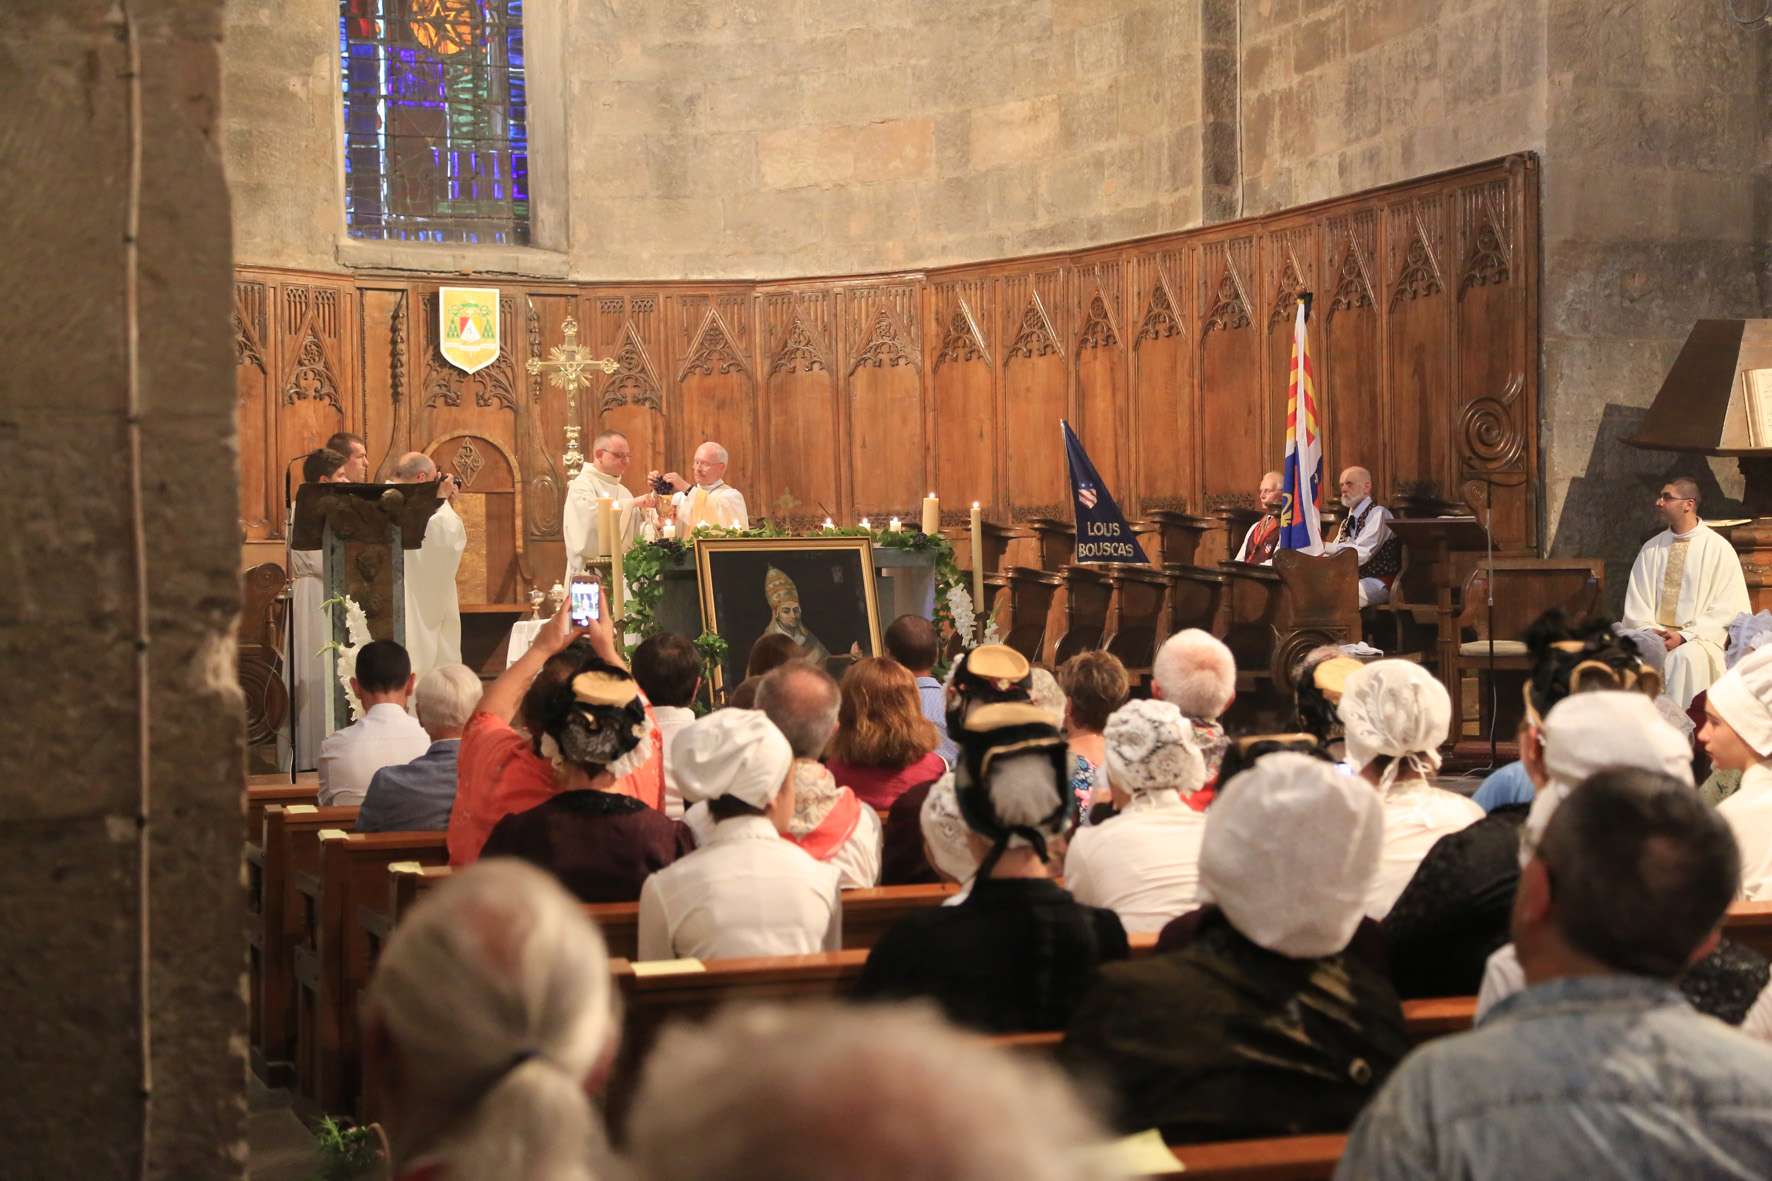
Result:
x=261 y=796
x=290 y=845
x=1273 y=616
x=1088 y=593
x=1750 y=924
x=1023 y=624
x=331 y=956
x=1136 y=616
x=1285 y=1158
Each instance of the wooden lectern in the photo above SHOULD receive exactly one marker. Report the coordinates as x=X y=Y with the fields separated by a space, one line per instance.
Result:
x=363 y=532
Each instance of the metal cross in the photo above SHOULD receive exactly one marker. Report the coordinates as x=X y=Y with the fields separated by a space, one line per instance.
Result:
x=568 y=366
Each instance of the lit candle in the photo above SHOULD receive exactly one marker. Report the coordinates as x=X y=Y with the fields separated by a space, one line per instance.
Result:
x=896 y=526
x=827 y=524
x=670 y=531
x=931 y=514
x=977 y=563
x=865 y=524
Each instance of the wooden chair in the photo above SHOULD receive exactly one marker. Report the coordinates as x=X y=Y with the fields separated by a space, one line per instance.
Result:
x=1275 y=615
x=290 y=845
x=1196 y=596
x=1030 y=591
x=1485 y=640
x=258 y=659
x=1089 y=592
x=331 y=959
x=1135 y=616
x=1172 y=537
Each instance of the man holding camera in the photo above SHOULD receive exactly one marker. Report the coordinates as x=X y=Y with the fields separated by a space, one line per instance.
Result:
x=433 y=612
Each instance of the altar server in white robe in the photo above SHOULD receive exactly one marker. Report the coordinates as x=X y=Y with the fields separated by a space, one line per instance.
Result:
x=313 y=630
x=610 y=457
x=1686 y=586
x=433 y=609
x=710 y=500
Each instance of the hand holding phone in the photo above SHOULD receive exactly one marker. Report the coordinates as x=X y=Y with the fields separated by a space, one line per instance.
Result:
x=586 y=602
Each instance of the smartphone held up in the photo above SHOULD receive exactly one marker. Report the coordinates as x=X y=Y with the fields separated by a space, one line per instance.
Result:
x=587 y=603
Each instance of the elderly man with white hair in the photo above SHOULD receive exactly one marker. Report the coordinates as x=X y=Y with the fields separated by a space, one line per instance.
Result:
x=1396 y=714
x=1737 y=735
x=489 y=1023
x=1197 y=674
x=1367 y=531
x=417 y=796
x=1016 y=954
x=1262 y=1024
x=818 y=1092
x=745 y=891
x=710 y=500
x=1143 y=864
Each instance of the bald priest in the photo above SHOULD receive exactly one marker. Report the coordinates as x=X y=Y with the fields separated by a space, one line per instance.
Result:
x=1686 y=588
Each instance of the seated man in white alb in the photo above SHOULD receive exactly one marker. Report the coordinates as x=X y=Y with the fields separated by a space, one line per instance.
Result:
x=433 y=609
x=745 y=892
x=1396 y=715
x=1367 y=531
x=386 y=735
x=711 y=500
x=1686 y=586
x=1144 y=864
x=1263 y=537
x=1737 y=735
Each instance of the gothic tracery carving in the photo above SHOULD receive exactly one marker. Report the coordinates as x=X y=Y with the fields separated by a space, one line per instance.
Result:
x=1488 y=260
x=884 y=345
x=1034 y=337
x=312 y=378
x=1351 y=289
x=1098 y=326
x=1420 y=278
x=1160 y=320
x=1230 y=312
x=714 y=351
x=633 y=382
x=799 y=353
x=961 y=342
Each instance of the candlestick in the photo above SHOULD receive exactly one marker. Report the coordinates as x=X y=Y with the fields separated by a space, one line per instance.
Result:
x=605 y=525
x=896 y=526
x=618 y=587
x=977 y=564
x=931 y=515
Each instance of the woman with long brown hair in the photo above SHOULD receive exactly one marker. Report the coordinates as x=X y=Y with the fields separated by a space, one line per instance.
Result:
x=883 y=744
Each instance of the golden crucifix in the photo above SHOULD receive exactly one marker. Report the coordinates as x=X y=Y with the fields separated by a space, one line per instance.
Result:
x=569 y=367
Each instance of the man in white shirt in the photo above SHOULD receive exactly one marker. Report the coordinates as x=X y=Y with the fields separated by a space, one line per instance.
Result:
x=711 y=500
x=599 y=479
x=433 y=608
x=1686 y=587
x=1737 y=734
x=1366 y=530
x=1144 y=864
x=668 y=669
x=745 y=892
x=384 y=736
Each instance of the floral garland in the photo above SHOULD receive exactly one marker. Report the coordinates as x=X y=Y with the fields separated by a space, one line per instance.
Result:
x=645 y=563
x=357 y=630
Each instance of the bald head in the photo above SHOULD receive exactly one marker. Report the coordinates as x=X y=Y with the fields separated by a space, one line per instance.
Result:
x=415 y=467
x=1356 y=485
x=1272 y=493
x=710 y=463
x=802 y=700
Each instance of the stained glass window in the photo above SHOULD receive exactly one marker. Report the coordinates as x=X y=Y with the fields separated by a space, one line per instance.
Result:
x=436 y=147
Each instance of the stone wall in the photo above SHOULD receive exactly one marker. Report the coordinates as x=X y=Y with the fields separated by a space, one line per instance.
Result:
x=770 y=140
x=120 y=911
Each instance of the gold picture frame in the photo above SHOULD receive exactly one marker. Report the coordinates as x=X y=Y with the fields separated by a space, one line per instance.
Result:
x=745 y=585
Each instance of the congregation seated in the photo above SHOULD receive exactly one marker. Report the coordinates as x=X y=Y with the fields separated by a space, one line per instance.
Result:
x=770 y=652
x=1738 y=737
x=818 y=1092
x=386 y=735
x=488 y=1021
x=668 y=669
x=744 y=891
x=1599 y=1067
x=1318 y=682
x=600 y=843
x=1044 y=692
x=1611 y=730
x=417 y=796
x=1017 y=953
x=500 y=769
x=1261 y=1025
x=830 y=822
x=1455 y=911
x=1095 y=684
x=1143 y=864
x=1195 y=672
x=1396 y=716
x=911 y=640
x=883 y=743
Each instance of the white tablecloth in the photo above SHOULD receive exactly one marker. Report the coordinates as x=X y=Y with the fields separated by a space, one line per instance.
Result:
x=523 y=633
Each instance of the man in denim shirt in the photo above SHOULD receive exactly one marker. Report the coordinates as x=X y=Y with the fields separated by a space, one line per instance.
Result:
x=1600 y=1067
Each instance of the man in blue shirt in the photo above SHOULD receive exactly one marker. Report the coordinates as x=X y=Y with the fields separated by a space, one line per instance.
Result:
x=1599 y=1067
x=418 y=796
x=911 y=641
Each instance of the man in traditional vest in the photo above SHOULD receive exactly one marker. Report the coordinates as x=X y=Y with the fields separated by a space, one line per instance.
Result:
x=1367 y=531
x=1686 y=587
x=1263 y=537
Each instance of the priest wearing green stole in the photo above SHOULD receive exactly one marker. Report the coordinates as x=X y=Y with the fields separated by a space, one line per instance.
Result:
x=1686 y=588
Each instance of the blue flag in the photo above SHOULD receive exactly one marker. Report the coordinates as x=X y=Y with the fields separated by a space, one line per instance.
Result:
x=1102 y=532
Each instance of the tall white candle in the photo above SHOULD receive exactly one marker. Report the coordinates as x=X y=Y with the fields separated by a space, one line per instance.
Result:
x=978 y=565
x=931 y=514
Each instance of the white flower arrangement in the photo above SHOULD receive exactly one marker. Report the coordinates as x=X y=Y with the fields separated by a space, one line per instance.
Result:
x=960 y=609
x=357 y=631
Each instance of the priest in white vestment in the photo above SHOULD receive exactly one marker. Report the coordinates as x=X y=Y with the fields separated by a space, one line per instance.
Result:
x=433 y=609
x=711 y=500
x=610 y=457
x=1686 y=586
x=313 y=627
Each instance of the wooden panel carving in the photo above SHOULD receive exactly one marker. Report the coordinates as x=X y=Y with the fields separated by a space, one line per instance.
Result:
x=1170 y=356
